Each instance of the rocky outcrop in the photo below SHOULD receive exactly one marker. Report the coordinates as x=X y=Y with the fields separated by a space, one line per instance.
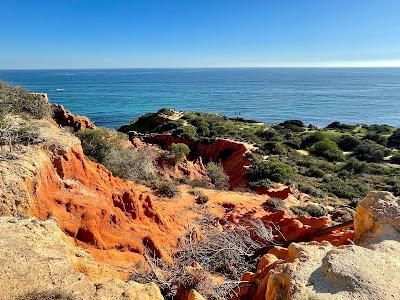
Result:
x=319 y=270
x=64 y=118
x=377 y=223
x=231 y=154
x=37 y=263
x=113 y=219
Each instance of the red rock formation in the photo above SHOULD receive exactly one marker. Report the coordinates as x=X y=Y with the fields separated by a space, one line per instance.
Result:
x=100 y=211
x=230 y=153
x=284 y=226
x=64 y=117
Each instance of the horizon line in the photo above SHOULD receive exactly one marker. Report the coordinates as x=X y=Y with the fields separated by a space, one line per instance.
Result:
x=210 y=67
x=248 y=65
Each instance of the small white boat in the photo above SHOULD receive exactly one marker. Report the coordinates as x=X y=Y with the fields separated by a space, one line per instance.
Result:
x=60 y=90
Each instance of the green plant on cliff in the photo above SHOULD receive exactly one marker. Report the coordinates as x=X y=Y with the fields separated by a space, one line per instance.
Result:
x=98 y=142
x=187 y=131
x=309 y=210
x=179 y=151
x=218 y=176
x=394 y=139
x=347 y=189
x=370 y=151
x=272 y=169
x=275 y=204
x=327 y=149
x=164 y=187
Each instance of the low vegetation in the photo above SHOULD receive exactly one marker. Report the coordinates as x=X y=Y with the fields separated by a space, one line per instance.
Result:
x=218 y=177
x=341 y=161
x=15 y=100
x=166 y=188
x=179 y=151
x=19 y=115
x=274 y=204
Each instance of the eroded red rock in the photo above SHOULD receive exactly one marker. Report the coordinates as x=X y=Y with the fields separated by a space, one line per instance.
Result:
x=64 y=118
x=100 y=211
x=230 y=153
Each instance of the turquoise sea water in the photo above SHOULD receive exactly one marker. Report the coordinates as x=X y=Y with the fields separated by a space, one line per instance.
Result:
x=112 y=97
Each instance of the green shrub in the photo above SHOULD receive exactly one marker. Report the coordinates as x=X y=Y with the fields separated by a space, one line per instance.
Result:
x=98 y=142
x=187 y=131
x=166 y=187
x=327 y=149
x=395 y=159
x=315 y=137
x=377 y=138
x=202 y=127
x=274 y=204
x=18 y=101
x=340 y=126
x=271 y=169
x=263 y=183
x=293 y=126
x=355 y=166
x=370 y=151
x=294 y=142
x=168 y=126
x=310 y=210
x=346 y=189
x=179 y=151
x=166 y=111
x=348 y=142
x=385 y=129
x=310 y=190
x=217 y=176
x=315 y=172
x=394 y=139
x=269 y=135
x=274 y=148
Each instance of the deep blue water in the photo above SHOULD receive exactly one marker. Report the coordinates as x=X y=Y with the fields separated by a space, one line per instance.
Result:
x=113 y=97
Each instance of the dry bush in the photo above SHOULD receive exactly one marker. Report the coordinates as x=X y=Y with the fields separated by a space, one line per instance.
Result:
x=201 y=198
x=16 y=100
x=226 y=253
x=14 y=133
x=165 y=187
x=130 y=164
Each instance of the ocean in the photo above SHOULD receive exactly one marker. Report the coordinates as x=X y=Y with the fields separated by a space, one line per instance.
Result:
x=112 y=97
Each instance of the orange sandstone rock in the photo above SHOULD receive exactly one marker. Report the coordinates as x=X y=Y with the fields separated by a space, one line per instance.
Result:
x=102 y=212
x=64 y=118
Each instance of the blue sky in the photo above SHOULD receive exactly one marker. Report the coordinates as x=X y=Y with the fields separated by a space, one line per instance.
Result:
x=202 y=33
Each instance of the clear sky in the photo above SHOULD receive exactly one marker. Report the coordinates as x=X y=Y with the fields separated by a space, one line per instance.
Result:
x=201 y=33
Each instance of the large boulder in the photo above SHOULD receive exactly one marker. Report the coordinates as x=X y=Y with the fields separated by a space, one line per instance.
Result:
x=377 y=223
x=321 y=271
x=37 y=262
x=369 y=269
